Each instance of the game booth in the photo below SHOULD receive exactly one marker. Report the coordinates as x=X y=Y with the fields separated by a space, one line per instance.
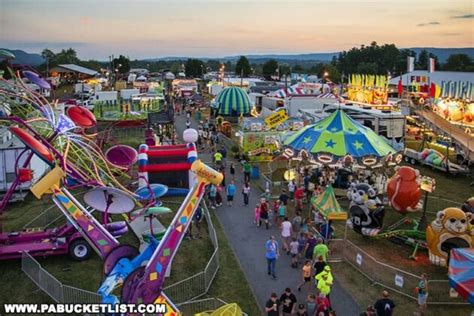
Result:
x=368 y=89
x=260 y=142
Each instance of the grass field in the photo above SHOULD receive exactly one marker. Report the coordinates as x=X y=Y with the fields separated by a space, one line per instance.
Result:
x=191 y=258
x=450 y=191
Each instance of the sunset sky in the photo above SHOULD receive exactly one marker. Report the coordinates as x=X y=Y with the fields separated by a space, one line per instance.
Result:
x=155 y=28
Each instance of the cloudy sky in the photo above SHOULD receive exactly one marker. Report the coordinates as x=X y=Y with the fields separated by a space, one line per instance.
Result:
x=154 y=28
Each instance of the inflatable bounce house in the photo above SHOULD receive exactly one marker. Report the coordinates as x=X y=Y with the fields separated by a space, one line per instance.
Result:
x=169 y=165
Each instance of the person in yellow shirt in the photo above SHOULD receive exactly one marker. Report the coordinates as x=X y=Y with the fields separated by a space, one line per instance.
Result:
x=325 y=281
x=306 y=273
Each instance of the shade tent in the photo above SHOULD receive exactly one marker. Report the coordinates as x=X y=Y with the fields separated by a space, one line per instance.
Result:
x=232 y=101
x=337 y=136
x=328 y=206
x=461 y=272
x=286 y=92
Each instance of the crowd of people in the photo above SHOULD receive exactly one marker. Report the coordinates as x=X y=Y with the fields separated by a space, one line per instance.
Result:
x=303 y=238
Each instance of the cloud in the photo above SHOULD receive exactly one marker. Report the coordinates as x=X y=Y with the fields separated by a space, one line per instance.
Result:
x=429 y=23
x=451 y=34
x=465 y=16
x=25 y=44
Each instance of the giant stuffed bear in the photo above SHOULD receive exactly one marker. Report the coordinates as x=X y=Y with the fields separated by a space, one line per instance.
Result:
x=365 y=210
x=450 y=229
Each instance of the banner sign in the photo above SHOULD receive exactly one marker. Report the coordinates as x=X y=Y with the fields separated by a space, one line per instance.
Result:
x=276 y=119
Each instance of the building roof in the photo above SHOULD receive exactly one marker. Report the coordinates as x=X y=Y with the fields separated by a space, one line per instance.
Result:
x=74 y=68
x=436 y=77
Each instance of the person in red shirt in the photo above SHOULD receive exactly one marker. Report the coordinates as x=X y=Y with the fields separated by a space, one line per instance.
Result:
x=299 y=195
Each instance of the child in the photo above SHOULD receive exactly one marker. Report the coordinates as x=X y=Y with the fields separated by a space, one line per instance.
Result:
x=306 y=273
x=219 y=196
x=294 y=245
x=305 y=226
x=257 y=215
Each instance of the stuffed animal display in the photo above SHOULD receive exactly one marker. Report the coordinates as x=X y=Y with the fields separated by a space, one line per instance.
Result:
x=450 y=229
x=403 y=190
x=365 y=210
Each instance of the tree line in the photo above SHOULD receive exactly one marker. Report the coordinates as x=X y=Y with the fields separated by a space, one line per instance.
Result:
x=371 y=59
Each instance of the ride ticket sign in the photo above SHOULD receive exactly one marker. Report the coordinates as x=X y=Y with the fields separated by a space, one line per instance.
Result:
x=276 y=119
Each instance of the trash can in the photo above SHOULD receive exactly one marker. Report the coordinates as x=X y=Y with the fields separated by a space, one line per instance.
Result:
x=255 y=173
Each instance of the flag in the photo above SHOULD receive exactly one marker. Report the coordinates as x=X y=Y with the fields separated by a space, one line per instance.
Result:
x=400 y=86
x=431 y=65
x=410 y=64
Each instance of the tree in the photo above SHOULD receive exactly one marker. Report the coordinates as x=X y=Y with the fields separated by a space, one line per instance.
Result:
x=242 y=67
x=297 y=68
x=422 y=61
x=269 y=68
x=65 y=56
x=459 y=62
x=47 y=54
x=122 y=63
x=194 y=68
x=367 y=68
x=213 y=64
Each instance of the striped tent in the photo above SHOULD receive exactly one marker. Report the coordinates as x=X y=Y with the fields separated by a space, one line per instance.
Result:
x=232 y=101
x=461 y=272
x=286 y=92
x=328 y=95
x=338 y=135
x=328 y=206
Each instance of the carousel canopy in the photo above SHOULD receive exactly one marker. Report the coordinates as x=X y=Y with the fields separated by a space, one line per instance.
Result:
x=232 y=101
x=461 y=272
x=339 y=135
x=328 y=206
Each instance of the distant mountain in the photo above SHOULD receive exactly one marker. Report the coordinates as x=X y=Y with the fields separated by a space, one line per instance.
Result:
x=443 y=53
x=22 y=57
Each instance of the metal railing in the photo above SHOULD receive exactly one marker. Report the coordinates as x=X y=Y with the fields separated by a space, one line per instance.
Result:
x=58 y=292
x=197 y=285
x=180 y=292
x=199 y=306
x=387 y=276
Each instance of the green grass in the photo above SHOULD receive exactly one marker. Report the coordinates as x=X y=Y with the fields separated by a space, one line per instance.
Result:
x=190 y=259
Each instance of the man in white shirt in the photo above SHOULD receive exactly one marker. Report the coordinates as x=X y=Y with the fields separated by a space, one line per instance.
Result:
x=286 y=233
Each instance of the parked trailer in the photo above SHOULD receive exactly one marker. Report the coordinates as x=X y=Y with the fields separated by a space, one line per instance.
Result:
x=413 y=157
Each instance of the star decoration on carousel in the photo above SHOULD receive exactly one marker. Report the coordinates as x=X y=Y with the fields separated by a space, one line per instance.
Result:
x=358 y=145
x=330 y=143
x=334 y=129
x=306 y=140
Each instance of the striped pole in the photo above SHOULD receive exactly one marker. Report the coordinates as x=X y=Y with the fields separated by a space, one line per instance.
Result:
x=142 y=164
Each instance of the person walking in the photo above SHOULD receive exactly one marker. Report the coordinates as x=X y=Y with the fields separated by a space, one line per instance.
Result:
x=232 y=170
x=218 y=158
x=230 y=193
x=271 y=254
x=281 y=212
x=301 y=310
x=257 y=212
x=286 y=233
x=324 y=281
x=212 y=195
x=306 y=274
x=319 y=265
x=245 y=193
x=294 y=252
x=299 y=196
x=311 y=305
x=283 y=197
x=264 y=212
x=288 y=301
x=321 y=250
x=291 y=189
x=247 y=168
x=296 y=222
x=188 y=123
x=309 y=247
x=384 y=306
x=422 y=290
x=272 y=306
